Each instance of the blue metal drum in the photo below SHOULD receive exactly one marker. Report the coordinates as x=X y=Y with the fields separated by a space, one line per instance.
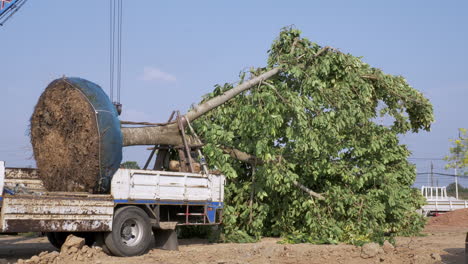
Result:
x=110 y=145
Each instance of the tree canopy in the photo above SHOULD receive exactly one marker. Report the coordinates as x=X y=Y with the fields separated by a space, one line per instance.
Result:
x=462 y=191
x=458 y=157
x=130 y=165
x=316 y=125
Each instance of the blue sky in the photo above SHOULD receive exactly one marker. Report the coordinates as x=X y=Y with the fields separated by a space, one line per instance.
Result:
x=175 y=51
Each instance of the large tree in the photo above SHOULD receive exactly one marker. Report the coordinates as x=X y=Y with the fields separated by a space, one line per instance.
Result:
x=314 y=125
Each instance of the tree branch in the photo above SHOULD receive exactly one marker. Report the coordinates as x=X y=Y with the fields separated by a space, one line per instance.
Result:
x=322 y=51
x=294 y=45
x=242 y=156
x=169 y=134
x=251 y=159
x=277 y=93
x=203 y=108
x=309 y=191
x=370 y=77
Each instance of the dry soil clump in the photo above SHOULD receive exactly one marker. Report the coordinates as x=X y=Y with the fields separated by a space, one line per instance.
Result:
x=73 y=250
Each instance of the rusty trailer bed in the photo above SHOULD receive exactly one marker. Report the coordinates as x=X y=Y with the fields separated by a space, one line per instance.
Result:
x=32 y=209
x=56 y=212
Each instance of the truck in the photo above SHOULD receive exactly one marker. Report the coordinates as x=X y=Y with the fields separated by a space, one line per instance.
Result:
x=438 y=202
x=142 y=205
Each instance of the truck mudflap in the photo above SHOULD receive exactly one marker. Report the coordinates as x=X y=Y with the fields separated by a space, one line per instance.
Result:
x=56 y=212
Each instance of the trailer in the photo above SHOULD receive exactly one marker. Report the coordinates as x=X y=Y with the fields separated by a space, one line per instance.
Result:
x=141 y=204
x=438 y=202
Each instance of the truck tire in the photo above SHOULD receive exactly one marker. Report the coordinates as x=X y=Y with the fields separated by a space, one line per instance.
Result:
x=53 y=240
x=57 y=238
x=100 y=243
x=131 y=232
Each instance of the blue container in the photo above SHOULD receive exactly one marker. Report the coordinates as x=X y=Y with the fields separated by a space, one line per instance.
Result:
x=110 y=146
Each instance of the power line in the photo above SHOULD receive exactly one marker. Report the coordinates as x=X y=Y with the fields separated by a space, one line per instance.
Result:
x=119 y=63
x=427 y=158
x=112 y=52
x=443 y=174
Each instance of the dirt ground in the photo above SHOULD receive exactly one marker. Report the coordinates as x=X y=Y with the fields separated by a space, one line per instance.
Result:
x=443 y=241
x=441 y=244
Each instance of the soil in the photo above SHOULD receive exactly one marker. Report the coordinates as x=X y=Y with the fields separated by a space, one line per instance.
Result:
x=436 y=245
x=457 y=218
x=65 y=139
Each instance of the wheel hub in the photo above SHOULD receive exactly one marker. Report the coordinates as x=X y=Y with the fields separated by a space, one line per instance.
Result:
x=131 y=232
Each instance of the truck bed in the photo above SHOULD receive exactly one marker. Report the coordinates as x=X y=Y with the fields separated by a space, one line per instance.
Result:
x=30 y=208
x=56 y=212
x=149 y=185
x=27 y=207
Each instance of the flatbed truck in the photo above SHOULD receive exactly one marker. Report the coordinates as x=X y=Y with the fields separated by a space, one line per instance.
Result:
x=142 y=204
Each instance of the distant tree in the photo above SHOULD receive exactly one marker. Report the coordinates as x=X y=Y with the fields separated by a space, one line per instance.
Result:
x=451 y=188
x=458 y=157
x=462 y=191
x=130 y=165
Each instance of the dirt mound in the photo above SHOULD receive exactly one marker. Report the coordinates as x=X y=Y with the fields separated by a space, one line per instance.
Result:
x=74 y=255
x=427 y=249
x=65 y=139
x=457 y=218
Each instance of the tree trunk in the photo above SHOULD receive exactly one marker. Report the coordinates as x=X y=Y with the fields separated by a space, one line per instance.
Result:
x=169 y=134
x=159 y=135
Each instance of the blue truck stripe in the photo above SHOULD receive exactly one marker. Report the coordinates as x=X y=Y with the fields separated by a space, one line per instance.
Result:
x=210 y=204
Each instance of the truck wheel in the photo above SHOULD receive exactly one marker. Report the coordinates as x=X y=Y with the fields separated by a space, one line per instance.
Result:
x=131 y=232
x=57 y=238
x=100 y=243
x=52 y=240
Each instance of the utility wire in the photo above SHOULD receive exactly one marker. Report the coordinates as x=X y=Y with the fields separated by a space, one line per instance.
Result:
x=119 y=56
x=426 y=158
x=111 y=42
x=116 y=25
x=443 y=174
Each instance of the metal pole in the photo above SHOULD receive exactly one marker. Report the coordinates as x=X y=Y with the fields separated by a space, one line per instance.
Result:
x=432 y=174
x=428 y=180
x=456 y=183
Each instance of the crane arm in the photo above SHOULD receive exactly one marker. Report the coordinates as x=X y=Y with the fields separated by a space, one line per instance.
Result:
x=8 y=8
